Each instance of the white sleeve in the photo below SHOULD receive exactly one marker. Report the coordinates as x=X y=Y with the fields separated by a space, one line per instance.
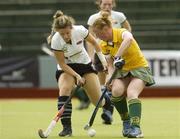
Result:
x=127 y=34
x=83 y=32
x=56 y=43
x=122 y=17
x=93 y=18
x=90 y=21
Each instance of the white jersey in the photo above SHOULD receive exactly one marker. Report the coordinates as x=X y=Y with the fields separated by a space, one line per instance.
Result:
x=74 y=52
x=117 y=18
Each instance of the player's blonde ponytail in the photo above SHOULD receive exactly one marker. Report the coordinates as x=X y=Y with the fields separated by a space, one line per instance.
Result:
x=104 y=20
x=105 y=15
x=60 y=21
x=58 y=14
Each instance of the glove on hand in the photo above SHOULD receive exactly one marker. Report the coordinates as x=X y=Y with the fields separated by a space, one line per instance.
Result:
x=118 y=62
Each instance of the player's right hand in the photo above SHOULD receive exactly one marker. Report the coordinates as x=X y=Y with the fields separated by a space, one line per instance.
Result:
x=79 y=80
x=118 y=62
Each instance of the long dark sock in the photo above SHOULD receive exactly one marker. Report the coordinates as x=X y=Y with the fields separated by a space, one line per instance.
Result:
x=120 y=104
x=135 y=111
x=66 y=117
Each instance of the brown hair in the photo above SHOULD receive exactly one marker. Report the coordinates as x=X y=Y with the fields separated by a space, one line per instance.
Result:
x=98 y=3
x=60 y=21
x=102 y=21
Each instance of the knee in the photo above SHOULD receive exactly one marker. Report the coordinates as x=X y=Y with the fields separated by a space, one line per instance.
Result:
x=118 y=91
x=65 y=90
x=132 y=94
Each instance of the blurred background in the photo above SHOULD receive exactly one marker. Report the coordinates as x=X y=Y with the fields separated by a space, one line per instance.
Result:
x=27 y=71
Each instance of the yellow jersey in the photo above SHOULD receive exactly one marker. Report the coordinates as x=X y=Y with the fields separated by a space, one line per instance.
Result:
x=133 y=56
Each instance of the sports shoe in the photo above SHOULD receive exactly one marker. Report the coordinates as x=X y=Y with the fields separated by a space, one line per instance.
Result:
x=126 y=128
x=66 y=132
x=135 y=132
x=107 y=117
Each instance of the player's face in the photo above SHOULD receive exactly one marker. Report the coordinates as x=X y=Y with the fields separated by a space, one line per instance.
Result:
x=104 y=34
x=66 y=33
x=106 y=5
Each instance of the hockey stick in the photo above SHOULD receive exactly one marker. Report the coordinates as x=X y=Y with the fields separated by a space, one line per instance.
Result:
x=91 y=121
x=45 y=134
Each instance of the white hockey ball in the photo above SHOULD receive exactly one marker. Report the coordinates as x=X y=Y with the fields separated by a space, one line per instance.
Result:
x=91 y=132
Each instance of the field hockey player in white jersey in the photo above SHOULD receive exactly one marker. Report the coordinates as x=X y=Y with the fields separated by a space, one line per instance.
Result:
x=74 y=65
x=118 y=20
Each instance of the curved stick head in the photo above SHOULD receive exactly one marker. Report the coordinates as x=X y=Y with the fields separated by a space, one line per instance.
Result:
x=86 y=127
x=41 y=133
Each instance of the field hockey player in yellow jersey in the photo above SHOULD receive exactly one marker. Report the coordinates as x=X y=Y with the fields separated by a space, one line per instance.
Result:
x=133 y=75
x=119 y=20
